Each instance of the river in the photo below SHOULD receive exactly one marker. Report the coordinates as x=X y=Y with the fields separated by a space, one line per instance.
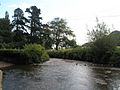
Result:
x=59 y=74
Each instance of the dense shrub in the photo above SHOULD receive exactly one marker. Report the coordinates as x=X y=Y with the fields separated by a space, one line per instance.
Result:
x=31 y=53
x=12 y=45
x=102 y=50
x=115 y=58
x=4 y=45
x=36 y=53
x=78 y=53
x=87 y=54
x=13 y=56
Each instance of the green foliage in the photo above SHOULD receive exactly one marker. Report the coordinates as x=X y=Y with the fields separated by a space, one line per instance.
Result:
x=5 y=24
x=115 y=35
x=35 y=26
x=5 y=36
x=6 y=46
x=99 y=31
x=102 y=49
x=19 y=28
x=19 y=21
x=115 y=58
x=101 y=52
x=78 y=53
x=61 y=33
x=5 y=30
x=24 y=30
x=36 y=53
x=13 y=56
x=45 y=37
x=31 y=53
x=102 y=44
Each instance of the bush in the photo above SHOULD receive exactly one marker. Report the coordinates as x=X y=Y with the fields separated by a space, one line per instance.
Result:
x=102 y=50
x=36 y=53
x=115 y=58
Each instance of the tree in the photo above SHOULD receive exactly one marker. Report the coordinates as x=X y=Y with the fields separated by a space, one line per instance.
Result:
x=34 y=21
x=19 y=22
x=71 y=44
x=103 y=49
x=19 y=26
x=45 y=37
x=5 y=29
x=61 y=33
x=5 y=22
x=115 y=35
x=6 y=15
x=102 y=45
x=99 y=31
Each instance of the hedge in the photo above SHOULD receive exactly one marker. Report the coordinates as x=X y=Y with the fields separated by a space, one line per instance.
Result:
x=87 y=54
x=83 y=54
x=31 y=53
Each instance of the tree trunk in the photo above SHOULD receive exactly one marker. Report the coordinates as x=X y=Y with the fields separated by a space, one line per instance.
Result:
x=56 y=46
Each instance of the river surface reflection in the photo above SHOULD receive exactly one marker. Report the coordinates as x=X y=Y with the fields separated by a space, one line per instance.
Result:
x=59 y=74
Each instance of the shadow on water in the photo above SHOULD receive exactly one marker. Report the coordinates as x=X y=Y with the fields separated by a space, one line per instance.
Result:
x=58 y=74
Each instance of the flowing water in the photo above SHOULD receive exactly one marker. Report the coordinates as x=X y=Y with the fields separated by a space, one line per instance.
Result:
x=59 y=74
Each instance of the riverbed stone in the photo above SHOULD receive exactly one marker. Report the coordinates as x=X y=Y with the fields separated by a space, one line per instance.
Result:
x=100 y=81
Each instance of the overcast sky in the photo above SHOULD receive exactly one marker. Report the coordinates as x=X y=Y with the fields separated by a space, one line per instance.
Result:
x=78 y=13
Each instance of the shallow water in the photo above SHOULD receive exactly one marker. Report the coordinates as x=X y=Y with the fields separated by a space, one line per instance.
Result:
x=59 y=74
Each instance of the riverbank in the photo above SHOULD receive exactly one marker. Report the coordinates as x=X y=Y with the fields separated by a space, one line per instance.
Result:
x=4 y=64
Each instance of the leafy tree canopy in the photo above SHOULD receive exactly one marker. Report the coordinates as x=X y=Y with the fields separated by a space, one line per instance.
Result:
x=61 y=33
x=99 y=31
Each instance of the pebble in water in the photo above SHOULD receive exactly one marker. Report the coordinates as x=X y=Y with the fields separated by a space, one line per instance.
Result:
x=108 y=72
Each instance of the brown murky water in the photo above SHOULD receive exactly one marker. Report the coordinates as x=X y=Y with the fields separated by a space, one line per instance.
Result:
x=59 y=74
